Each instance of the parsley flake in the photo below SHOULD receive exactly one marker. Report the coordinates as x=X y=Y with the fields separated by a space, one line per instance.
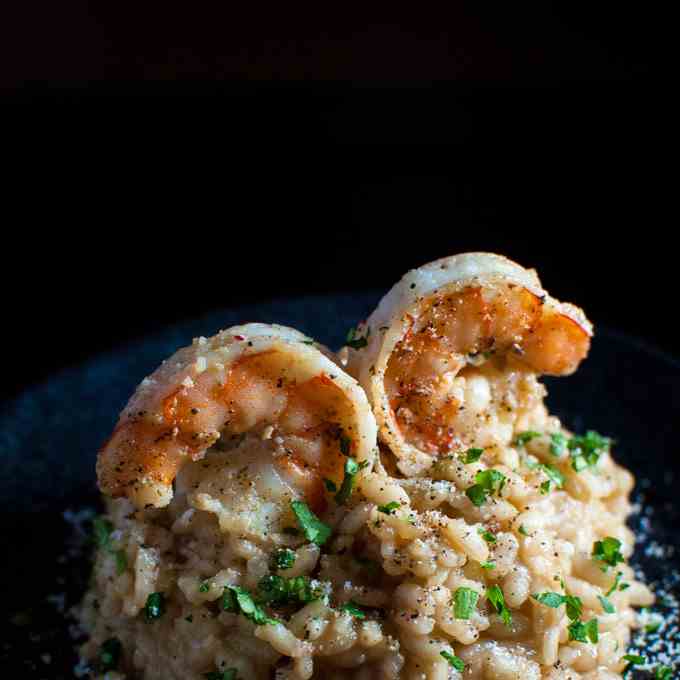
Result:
x=495 y=596
x=352 y=468
x=487 y=482
x=608 y=550
x=471 y=456
x=464 y=602
x=356 y=342
x=154 y=607
x=389 y=508
x=109 y=654
x=353 y=609
x=454 y=661
x=313 y=528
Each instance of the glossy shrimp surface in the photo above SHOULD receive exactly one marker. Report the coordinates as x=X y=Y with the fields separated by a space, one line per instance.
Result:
x=262 y=389
x=454 y=352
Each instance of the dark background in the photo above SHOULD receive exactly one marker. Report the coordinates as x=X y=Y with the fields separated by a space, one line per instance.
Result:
x=162 y=161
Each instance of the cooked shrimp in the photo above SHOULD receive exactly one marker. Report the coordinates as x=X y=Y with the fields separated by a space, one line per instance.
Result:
x=453 y=351
x=268 y=383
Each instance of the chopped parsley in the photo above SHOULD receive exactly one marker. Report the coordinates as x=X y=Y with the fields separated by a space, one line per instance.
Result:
x=330 y=485
x=345 y=444
x=545 y=487
x=240 y=600
x=607 y=606
x=229 y=674
x=464 y=602
x=488 y=565
x=585 y=450
x=497 y=599
x=313 y=528
x=204 y=587
x=584 y=632
x=550 y=599
x=663 y=672
x=522 y=530
x=121 y=561
x=353 y=609
x=608 y=550
x=487 y=482
x=102 y=530
x=389 y=508
x=558 y=443
x=653 y=627
x=454 y=661
x=574 y=606
x=524 y=437
x=617 y=585
x=284 y=558
x=634 y=660
x=554 y=475
x=356 y=342
x=154 y=607
x=352 y=468
x=487 y=535
x=471 y=456
x=277 y=590
x=109 y=654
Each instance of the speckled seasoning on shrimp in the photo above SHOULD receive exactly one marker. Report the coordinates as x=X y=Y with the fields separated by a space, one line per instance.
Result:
x=255 y=378
x=455 y=345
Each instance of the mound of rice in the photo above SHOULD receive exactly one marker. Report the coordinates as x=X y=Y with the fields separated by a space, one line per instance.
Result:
x=508 y=562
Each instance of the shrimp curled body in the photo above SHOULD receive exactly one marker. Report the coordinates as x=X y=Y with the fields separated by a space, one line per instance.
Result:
x=456 y=345
x=266 y=382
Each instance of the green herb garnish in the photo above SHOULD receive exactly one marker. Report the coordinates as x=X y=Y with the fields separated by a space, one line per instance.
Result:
x=585 y=450
x=487 y=565
x=389 y=508
x=109 y=654
x=524 y=437
x=488 y=536
x=584 y=632
x=356 y=342
x=487 y=482
x=277 y=590
x=330 y=485
x=354 y=609
x=464 y=602
x=558 y=443
x=352 y=468
x=497 y=599
x=284 y=558
x=607 y=606
x=102 y=529
x=345 y=444
x=454 y=661
x=608 y=550
x=471 y=456
x=154 y=607
x=247 y=606
x=522 y=530
x=662 y=672
x=313 y=528
x=229 y=674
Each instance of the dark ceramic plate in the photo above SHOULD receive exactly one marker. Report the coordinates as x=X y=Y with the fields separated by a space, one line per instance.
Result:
x=49 y=436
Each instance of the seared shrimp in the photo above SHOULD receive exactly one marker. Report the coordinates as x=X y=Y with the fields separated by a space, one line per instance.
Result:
x=452 y=351
x=265 y=384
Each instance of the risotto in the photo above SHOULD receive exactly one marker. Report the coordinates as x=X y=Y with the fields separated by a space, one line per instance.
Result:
x=405 y=509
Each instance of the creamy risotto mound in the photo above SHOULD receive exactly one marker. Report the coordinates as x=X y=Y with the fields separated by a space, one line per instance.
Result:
x=404 y=509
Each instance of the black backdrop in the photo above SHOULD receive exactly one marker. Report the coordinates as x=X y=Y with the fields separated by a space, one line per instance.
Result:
x=153 y=174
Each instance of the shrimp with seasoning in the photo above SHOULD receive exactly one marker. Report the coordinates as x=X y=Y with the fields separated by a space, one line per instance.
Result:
x=271 y=407
x=449 y=358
